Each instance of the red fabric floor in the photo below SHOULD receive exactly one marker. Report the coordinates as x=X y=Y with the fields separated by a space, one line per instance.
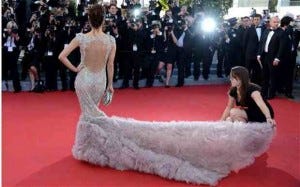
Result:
x=38 y=133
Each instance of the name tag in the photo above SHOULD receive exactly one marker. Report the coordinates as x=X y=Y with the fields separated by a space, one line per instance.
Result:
x=50 y=53
x=153 y=51
x=66 y=45
x=134 y=47
x=10 y=49
x=234 y=35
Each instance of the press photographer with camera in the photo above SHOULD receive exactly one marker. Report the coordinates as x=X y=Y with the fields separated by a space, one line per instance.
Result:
x=64 y=37
x=134 y=60
x=131 y=4
x=154 y=50
x=169 y=55
x=33 y=54
x=10 y=52
x=184 y=50
x=50 y=58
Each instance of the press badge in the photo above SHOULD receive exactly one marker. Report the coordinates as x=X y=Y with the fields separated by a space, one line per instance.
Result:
x=153 y=51
x=10 y=49
x=234 y=35
x=134 y=47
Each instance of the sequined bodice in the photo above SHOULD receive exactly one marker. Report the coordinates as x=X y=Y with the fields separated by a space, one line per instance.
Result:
x=90 y=82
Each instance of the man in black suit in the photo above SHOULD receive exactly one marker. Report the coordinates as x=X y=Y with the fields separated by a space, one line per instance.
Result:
x=244 y=25
x=234 y=44
x=251 y=44
x=289 y=53
x=269 y=58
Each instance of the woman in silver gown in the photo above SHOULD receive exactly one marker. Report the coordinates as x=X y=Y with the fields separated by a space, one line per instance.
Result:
x=195 y=152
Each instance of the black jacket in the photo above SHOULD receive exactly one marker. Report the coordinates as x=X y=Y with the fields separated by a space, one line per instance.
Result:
x=251 y=42
x=274 y=45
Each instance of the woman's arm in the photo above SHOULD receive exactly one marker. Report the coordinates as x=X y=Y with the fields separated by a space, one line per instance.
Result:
x=65 y=53
x=256 y=96
x=229 y=106
x=110 y=68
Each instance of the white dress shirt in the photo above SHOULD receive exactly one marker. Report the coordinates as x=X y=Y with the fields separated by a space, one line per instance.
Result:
x=271 y=33
x=258 y=32
x=180 y=40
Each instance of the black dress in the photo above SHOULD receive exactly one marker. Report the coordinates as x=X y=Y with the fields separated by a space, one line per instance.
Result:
x=252 y=110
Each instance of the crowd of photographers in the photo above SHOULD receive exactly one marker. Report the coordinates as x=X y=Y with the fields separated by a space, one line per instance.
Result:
x=149 y=45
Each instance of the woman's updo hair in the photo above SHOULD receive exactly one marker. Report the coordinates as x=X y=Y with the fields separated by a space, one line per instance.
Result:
x=96 y=15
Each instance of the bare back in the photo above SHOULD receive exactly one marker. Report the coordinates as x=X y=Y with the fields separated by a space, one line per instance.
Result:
x=95 y=50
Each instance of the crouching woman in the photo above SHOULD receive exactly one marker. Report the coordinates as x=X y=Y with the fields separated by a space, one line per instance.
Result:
x=245 y=102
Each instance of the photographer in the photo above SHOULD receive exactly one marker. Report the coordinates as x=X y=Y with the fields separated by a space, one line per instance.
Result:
x=86 y=27
x=234 y=43
x=136 y=35
x=205 y=45
x=131 y=4
x=184 y=50
x=169 y=54
x=10 y=52
x=33 y=55
x=64 y=37
x=113 y=13
x=174 y=6
x=50 y=56
x=7 y=17
x=168 y=19
x=154 y=50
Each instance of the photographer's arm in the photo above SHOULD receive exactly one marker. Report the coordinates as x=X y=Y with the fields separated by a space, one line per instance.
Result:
x=65 y=53
x=174 y=37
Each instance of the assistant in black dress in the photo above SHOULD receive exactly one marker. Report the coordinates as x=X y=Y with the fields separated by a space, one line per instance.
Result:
x=245 y=102
x=252 y=110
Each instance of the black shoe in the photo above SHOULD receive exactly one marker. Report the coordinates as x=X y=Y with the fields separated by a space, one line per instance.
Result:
x=196 y=78
x=179 y=85
x=220 y=76
x=6 y=85
x=290 y=96
x=205 y=77
x=271 y=97
x=124 y=86
x=167 y=86
x=136 y=87
x=160 y=79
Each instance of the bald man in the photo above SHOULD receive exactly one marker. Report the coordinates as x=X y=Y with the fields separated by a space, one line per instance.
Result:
x=269 y=55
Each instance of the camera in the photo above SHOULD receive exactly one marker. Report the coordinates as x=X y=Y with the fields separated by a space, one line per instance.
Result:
x=14 y=31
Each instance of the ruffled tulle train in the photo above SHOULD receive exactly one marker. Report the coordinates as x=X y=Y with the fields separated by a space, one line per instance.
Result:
x=194 y=152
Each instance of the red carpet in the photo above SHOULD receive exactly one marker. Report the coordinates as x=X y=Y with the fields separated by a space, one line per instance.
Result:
x=38 y=133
